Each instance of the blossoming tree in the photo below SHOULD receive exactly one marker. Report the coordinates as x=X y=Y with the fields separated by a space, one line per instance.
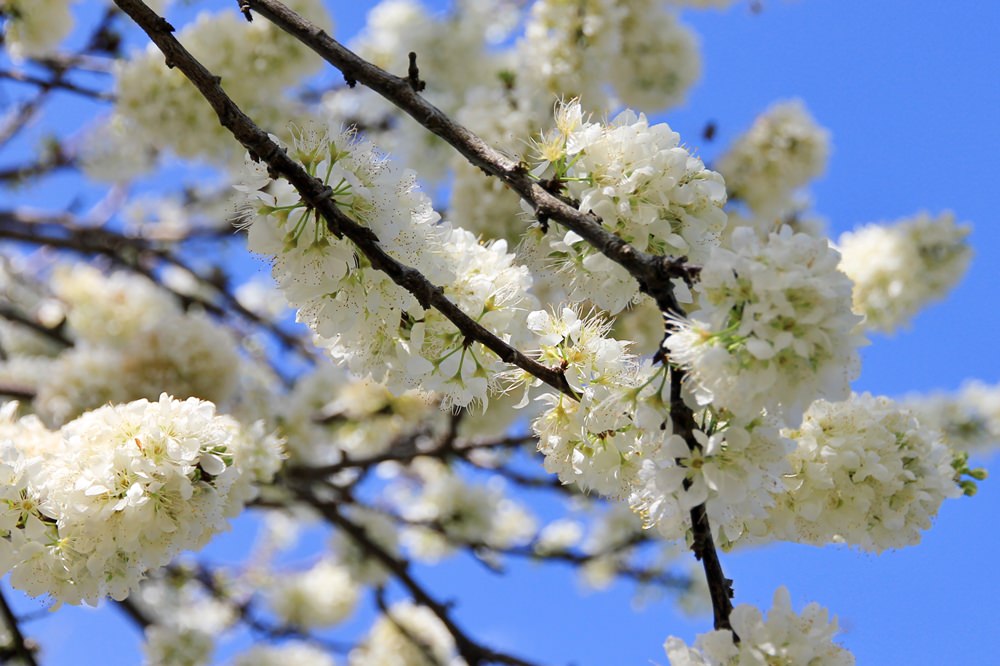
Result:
x=586 y=310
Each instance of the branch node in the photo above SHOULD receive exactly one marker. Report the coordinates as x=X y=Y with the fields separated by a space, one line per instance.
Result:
x=413 y=74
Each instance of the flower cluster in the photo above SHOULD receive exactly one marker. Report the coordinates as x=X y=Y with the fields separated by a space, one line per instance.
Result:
x=737 y=470
x=185 y=621
x=358 y=313
x=157 y=108
x=410 y=635
x=643 y=185
x=34 y=28
x=329 y=414
x=900 y=267
x=290 y=652
x=783 y=151
x=577 y=49
x=773 y=329
x=132 y=341
x=659 y=59
x=784 y=637
x=121 y=490
x=321 y=596
x=969 y=419
x=865 y=473
x=597 y=441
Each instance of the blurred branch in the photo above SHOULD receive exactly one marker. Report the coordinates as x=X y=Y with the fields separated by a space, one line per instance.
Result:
x=20 y=647
x=56 y=84
x=134 y=253
x=474 y=653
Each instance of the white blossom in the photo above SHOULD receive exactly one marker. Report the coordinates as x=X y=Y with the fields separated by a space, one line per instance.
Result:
x=774 y=328
x=255 y=60
x=783 y=637
x=644 y=186
x=34 y=28
x=900 y=267
x=125 y=489
x=658 y=61
x=386 y=644
x=865 y=473
x=292 y=652
x=737 y=470
x=969 y=418
x=599 y=440
x=171 y=646
x=782 y=151
x=359 y=315
x=322 y=596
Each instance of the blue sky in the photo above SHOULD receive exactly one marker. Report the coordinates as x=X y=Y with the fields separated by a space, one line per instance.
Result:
x=910 y=93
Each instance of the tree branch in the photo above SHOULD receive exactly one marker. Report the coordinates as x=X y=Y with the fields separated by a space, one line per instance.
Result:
x=20 y=647
x=652 y=271
x=474 y=653
x=316 y=194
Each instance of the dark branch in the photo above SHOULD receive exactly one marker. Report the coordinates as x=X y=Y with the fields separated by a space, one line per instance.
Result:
x=20 y=647
x=316 y=194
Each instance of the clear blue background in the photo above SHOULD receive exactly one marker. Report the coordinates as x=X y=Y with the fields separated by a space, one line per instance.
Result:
x=910 y=91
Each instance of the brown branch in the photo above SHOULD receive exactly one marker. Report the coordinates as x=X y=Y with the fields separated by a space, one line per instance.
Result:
x=317 y=195
x=65 y=232
x=720 y=588
x=653 y=272
x=57 y=84
x=20 y=647
x=56 y=334
x=405 y=450
x=474 y=653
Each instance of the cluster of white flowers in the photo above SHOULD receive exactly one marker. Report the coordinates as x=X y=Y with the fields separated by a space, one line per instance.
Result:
x=659 y=59
x=407 y=635
x=185 y=621
x=358 y=314
x=34 y=28
x=175 y=646
x=644 y=186
x=737 y=470
x=597 y=441
x=899 y=268
x=321 y=596
x=969 y=419
x=450 y=50
x=773 y=329
x=784 y=637
x=458 y=512
x=87 y=511
x=157 y=108
x=567 y=48
x=457 y=56
x=291 y=652
x=329 y=414
x=132 y=341
x=577 y=49
x=782 y=151
x=865 y=473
